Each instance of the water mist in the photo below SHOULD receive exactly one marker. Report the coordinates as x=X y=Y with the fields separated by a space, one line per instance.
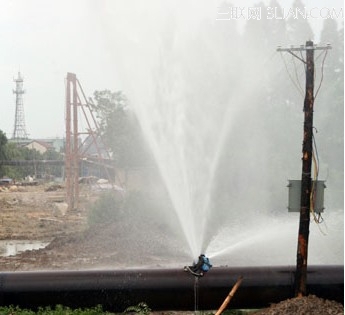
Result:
x=205 y=110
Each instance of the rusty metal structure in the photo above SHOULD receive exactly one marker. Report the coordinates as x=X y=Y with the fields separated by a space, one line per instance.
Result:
x=77 y=106
x=164 y=289
x=71 y=150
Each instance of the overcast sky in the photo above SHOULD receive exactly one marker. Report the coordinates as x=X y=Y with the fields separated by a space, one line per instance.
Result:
x=99 y=40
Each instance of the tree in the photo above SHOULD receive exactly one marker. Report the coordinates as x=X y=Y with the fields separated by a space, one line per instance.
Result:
x=10 y=151
x=329 y=103
x=120 y=129
x=276 y=28
x=3 y=142
x=299 y=28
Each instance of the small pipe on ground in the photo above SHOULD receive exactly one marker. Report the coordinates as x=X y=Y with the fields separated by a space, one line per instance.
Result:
x=230 y=295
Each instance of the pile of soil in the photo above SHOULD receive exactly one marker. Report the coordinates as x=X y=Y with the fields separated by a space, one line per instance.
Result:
x=309 y=305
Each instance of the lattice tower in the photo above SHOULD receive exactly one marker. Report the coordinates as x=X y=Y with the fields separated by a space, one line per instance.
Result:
x=19 y=131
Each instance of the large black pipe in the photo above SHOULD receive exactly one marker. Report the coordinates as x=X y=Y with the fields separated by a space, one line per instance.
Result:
x=165 y=289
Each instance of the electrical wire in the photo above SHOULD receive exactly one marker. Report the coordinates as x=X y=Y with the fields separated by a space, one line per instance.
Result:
x=320 y=54
x=292 y=80
x=297 y=84
x=304 y=63
x=322 y=67
x=316 y=59
x=315 y=147
x=313 y=190
x=316 y=216
x=296 y=74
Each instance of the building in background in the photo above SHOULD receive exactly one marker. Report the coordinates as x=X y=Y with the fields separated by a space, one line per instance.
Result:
x=41 y=145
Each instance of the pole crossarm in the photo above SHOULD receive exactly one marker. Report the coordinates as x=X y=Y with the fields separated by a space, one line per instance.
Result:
x=302 y=48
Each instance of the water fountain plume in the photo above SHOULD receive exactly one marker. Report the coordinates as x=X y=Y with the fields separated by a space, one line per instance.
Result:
x=187 y=137
x=200 y=107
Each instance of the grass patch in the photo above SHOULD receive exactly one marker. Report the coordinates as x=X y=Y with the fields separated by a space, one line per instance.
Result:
x=58 y=310
x=106 y=209
x=140 y=309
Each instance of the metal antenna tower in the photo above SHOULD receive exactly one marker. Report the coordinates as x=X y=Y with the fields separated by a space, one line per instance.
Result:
x=19 y=131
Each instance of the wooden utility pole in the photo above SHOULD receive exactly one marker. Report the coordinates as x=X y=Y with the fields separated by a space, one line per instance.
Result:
x=307 y=152
x=304 y=219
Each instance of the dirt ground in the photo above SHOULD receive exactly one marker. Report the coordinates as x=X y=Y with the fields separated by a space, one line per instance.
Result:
x=39 y=213
x=33 y=213
x=310 y=305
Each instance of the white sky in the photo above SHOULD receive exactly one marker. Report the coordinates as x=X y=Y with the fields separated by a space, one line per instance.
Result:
x=45 y=39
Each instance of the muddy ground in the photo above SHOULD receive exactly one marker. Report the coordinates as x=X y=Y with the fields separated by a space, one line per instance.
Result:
x=39 y=213
x=36 y=213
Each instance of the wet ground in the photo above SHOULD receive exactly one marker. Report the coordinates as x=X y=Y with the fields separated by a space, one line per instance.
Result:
x=32 y=215
x=36 y=215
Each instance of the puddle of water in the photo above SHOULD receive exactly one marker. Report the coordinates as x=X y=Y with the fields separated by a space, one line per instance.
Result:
x=14 y=247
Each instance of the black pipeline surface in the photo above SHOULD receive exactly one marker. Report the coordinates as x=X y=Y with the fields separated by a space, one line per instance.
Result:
x=165 y=289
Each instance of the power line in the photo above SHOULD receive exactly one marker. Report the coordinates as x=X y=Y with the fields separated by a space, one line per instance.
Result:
x=290 y=76
x=292 y=51
x=296 y=74
x=322 y=66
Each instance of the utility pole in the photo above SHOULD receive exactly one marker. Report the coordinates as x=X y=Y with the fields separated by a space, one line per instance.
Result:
x=304 y=220
x=307 y=153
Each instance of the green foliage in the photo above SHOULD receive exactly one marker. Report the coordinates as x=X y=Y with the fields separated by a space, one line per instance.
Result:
x=135 y=206
x=120 y=129
x=108 y=208
x=58 y=310
x=14 y=310
x=105 y=210
x=10 y=151
x=142 y=308
x=138 y=205
x=14 y=152
x=3 y=142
